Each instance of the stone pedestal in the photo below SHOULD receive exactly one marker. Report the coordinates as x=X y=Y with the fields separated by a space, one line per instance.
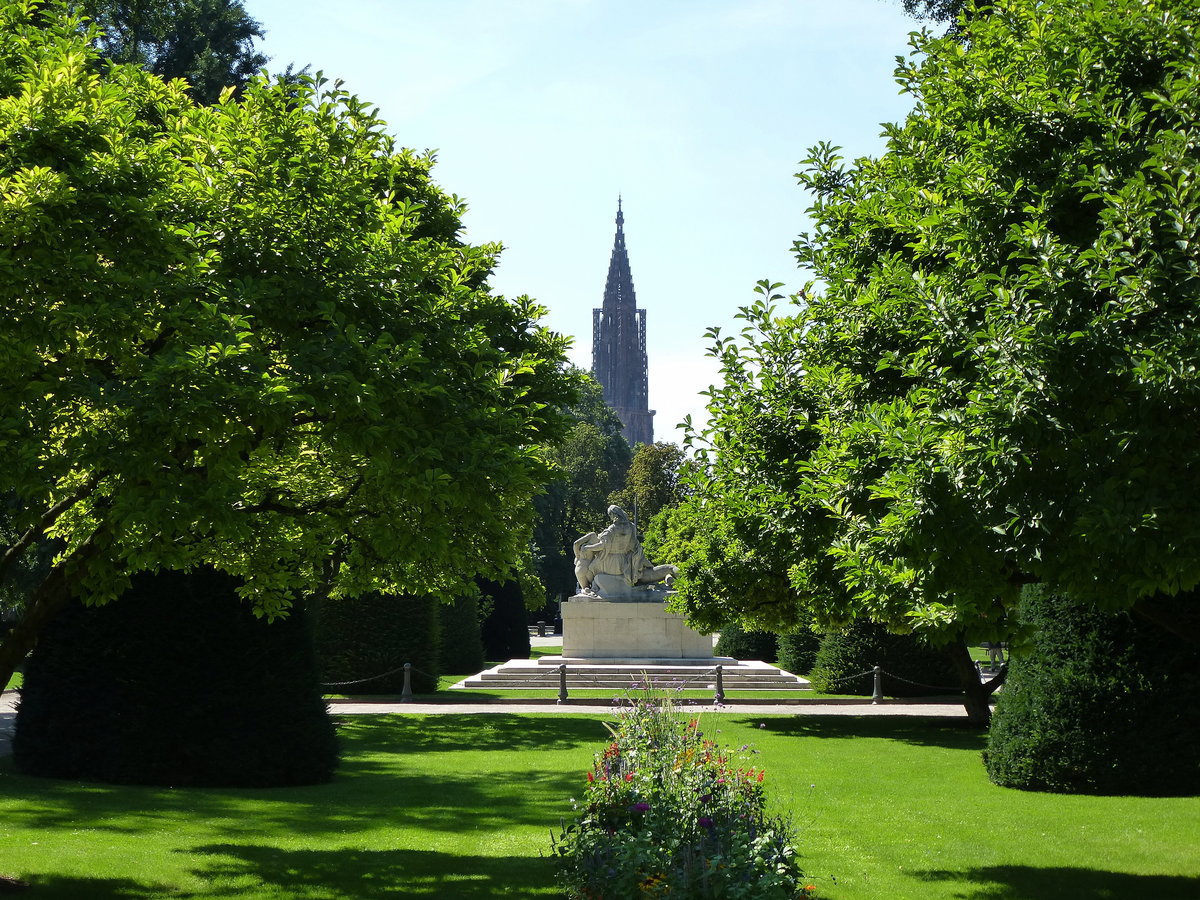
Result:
x=629 y=630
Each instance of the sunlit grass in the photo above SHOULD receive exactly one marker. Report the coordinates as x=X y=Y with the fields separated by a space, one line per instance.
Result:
x=461 y=806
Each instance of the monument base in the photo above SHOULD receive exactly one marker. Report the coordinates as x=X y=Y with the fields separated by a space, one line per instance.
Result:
x=628 y=630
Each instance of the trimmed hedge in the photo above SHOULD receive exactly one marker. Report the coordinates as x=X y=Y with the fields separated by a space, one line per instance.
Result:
x=1101 y=704
x=462 y=644
x=864 y=645
x=744 y=643
x=798 y=651
x=175 y=683
x=375 y=635
x=505 y=630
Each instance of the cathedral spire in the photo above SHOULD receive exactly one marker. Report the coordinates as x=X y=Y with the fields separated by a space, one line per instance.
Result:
x=619 y=345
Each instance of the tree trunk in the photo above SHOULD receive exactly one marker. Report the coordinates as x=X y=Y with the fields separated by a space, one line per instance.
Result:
x=976 y=695
x=51 y=594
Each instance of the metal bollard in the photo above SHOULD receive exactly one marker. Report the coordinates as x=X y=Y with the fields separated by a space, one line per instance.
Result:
x=719 y=695
x=562 y=683
x=877 y=697
x=406 y=691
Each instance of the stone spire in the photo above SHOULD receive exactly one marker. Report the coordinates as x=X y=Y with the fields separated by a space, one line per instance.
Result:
x=619 y=345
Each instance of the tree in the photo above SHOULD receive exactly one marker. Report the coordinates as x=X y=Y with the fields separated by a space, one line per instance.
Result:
x=653 y=482
x=208 y=43
x=993 y=382
x=247 y=336
x=592 y=463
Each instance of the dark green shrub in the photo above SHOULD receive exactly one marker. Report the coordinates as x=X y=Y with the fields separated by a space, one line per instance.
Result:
x=362 y=638
x=903 y=657
x=175 y=683
x=462 y=645
x=505 y=632
x=742 y=643
x=798 y=651
x=1100 y=704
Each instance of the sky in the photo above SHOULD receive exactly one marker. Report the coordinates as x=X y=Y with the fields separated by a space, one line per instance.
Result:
x=695 y=112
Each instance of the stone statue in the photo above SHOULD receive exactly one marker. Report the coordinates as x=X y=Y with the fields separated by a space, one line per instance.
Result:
x=611 y=564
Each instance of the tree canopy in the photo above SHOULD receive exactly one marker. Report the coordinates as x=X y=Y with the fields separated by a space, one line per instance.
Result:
x=993 y=379
x=247 y=335
x=209 y=43
x=654 y=481
x=592 y=463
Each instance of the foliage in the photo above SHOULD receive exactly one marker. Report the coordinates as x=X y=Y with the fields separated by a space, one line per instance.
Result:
x=669 y=813
x=461 y=647
x=592 y=462
x=505 y=630
x=1103 y=704
x=904 y=659
x=176 y=684
x=375 y=635
x=247 y=335
x=797 y=651
x=744 y=643
x=653 y=482
x=209 y=43
x=993 y=380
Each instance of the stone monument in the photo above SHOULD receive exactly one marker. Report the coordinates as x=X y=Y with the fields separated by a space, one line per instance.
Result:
x=619 y=612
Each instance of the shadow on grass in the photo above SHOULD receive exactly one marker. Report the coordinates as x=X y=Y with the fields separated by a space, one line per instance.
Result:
x=393 y=772
x=62 y=887
x=369 y=874
x=1054 y=883
x=954 y=734
x=452 y=732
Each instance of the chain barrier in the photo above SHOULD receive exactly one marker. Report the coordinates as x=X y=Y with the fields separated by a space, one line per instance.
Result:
x=852 y=677
x=932 y=687
x=561 y=673
x=365 y=680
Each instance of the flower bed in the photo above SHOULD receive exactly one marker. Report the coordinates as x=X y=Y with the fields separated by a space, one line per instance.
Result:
x=668 y=813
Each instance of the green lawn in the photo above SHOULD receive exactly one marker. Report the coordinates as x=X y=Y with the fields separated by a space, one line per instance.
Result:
x=460 y=806
x=15 y=682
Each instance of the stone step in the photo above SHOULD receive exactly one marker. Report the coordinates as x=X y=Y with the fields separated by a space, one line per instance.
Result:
x=748 y=675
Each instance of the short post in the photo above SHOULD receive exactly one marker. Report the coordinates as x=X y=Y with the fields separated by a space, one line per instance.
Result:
x=877 y=697
x=719 y=694
x=406 y=691
x=541 y=629
x=562 y=683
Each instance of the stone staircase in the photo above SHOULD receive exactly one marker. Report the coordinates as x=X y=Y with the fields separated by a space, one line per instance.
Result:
x=620 y=675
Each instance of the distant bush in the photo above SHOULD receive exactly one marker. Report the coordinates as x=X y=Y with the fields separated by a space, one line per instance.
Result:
x=1101 y=704
x=364 y=637
x=175 y=683
x=461 y=643
x=798 y=651
x=669 y=813
x=741 y=643
x=903 y=657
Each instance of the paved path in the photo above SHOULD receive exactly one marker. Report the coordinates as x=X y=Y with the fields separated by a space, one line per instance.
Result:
x=939 y=709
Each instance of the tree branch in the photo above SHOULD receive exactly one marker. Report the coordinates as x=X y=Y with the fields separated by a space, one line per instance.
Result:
x=14 y=551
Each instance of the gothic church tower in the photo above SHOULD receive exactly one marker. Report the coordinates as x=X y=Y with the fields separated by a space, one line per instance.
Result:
x=619 y=346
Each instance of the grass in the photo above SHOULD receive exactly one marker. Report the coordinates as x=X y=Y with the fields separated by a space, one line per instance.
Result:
x=460 y=806
x=15 y=682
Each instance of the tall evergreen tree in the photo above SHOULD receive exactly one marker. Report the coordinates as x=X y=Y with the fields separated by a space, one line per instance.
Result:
x=209 y=43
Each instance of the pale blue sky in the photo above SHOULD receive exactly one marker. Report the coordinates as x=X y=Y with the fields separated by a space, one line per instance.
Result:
x=543 y=111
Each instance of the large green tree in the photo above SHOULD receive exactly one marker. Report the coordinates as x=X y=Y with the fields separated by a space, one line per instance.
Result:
x=653 y=482
x=592 y=462
x=993 y=380
x=209 y=43
x=247 y=335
